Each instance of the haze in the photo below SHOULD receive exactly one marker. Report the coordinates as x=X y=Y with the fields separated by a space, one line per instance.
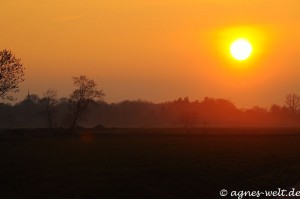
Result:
x=155 y=50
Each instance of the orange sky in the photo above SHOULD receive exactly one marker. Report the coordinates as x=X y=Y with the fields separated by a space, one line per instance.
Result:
x=157 y=50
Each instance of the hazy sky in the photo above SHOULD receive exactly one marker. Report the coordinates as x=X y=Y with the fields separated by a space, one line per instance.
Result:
x=157 y=50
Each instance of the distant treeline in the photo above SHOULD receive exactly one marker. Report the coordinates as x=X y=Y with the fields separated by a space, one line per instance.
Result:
x=178 y=113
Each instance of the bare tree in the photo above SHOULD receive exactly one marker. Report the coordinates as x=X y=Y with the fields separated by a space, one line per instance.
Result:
x=86 y=92
x=293 y=102
x=49 y=101
x=11 y=74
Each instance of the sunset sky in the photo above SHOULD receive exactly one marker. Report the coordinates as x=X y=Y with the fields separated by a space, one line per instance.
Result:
x=157 y=50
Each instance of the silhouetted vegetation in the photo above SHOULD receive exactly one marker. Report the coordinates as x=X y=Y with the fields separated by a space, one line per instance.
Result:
x=49 y=102
x=84 y=94
x=11 y=74
x=178 y=113
x=293 y=102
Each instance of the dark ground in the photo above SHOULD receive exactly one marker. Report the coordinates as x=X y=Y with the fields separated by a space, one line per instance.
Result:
x=160 y=163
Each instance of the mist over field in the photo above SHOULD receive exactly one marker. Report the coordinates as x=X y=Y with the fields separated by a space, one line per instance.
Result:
x=209 y=112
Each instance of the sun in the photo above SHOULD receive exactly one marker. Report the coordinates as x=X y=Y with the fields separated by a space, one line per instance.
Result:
x=241 y=49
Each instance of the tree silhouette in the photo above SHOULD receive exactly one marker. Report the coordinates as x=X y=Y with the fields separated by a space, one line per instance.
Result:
x=11 y=74
x=293 y=102
x=49 y=101
x=86 y=92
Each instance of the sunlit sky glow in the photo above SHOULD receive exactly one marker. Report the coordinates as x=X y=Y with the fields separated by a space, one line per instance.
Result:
x=157 y=50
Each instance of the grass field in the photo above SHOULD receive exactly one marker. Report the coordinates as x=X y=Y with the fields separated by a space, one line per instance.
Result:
x=149 y=165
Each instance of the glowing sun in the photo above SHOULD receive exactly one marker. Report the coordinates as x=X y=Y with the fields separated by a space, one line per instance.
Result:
x=241 y=49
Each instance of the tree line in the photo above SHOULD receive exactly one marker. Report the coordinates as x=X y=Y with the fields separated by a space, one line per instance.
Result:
x=85 y=107
x=47 y=111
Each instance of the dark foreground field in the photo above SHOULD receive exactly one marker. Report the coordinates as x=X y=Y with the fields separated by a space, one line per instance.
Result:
x=124 y=164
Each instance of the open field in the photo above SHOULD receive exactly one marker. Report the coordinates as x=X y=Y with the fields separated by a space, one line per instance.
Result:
x=122 y=163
